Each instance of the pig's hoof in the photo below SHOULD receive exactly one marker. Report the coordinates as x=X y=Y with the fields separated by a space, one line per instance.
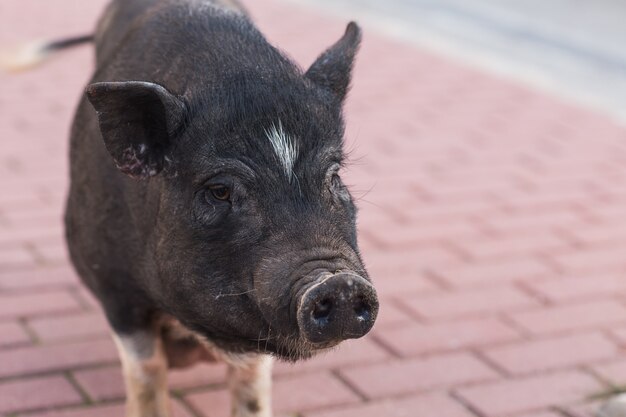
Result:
x=615 y=407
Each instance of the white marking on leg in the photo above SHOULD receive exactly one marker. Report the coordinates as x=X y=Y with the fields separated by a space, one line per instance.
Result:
x=145 y=374
x=284 y=148
x=250 y=381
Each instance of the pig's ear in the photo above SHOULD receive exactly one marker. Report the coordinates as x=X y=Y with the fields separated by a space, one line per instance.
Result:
x=138 y=121
x=333 y=69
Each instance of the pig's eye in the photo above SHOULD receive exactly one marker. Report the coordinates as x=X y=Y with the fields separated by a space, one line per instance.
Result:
x=219 y=192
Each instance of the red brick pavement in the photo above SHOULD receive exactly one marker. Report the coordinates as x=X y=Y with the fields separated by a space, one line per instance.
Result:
x=491 y=219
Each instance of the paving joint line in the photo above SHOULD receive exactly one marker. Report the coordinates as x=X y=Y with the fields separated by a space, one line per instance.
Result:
x=352 y=387
x=87 y=400
x=465 y=404
x=482 y=357
x=387 y=347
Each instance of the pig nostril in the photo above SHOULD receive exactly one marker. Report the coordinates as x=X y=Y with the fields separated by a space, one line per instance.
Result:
x=362 y=310
x=342 y=306
x=322 y=309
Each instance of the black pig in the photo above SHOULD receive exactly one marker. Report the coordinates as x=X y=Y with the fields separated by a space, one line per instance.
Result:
x=206 y=211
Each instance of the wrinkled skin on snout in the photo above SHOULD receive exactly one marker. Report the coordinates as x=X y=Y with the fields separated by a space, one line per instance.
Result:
x=225 y=204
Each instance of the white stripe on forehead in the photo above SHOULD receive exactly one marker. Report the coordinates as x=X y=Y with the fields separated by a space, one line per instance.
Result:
x=285 y=149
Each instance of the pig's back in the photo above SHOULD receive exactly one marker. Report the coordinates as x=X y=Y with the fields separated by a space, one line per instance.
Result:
x=181 y=44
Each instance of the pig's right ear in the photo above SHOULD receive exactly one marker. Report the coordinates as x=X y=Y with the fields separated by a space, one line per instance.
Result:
x=138 y=121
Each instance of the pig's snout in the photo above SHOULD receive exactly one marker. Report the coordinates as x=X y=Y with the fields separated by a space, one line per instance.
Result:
x=337 y=307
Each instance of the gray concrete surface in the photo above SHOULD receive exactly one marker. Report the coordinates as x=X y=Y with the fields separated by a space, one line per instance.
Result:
x=574 y=48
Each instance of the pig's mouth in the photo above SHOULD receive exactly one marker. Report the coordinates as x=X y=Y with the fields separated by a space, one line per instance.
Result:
x=287 y=348
x=206 y=345
x=294 y=349
x=327 y=302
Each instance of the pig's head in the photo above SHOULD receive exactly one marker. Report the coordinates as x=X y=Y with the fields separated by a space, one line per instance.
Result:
x=253 y=244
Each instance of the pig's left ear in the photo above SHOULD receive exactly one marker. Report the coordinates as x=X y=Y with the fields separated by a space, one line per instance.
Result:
x=138 y=121
x=333 y=69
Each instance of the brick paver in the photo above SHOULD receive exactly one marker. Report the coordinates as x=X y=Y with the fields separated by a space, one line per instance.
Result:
x=542 y=414
x=56 y=357
x=417 y=339
x=426 y=405
x=178 y=410
x=37 y=393
x=460 y=304
x=106 y=383
x=407 y=376
x=572 y=317
x=13 y=333
x=28 y=305
x=290 y=394
x=584 y=286
x=491 y=220
x=518 y=395
x=552 y=353
x=67 y=327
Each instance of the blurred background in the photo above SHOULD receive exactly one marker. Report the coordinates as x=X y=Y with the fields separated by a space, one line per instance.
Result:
x=487 y=155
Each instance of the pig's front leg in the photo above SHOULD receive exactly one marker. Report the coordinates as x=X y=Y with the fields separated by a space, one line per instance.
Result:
x=145 y=373
x=250 y=380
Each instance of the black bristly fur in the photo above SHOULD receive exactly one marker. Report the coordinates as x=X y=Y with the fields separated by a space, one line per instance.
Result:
x=184 y=93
